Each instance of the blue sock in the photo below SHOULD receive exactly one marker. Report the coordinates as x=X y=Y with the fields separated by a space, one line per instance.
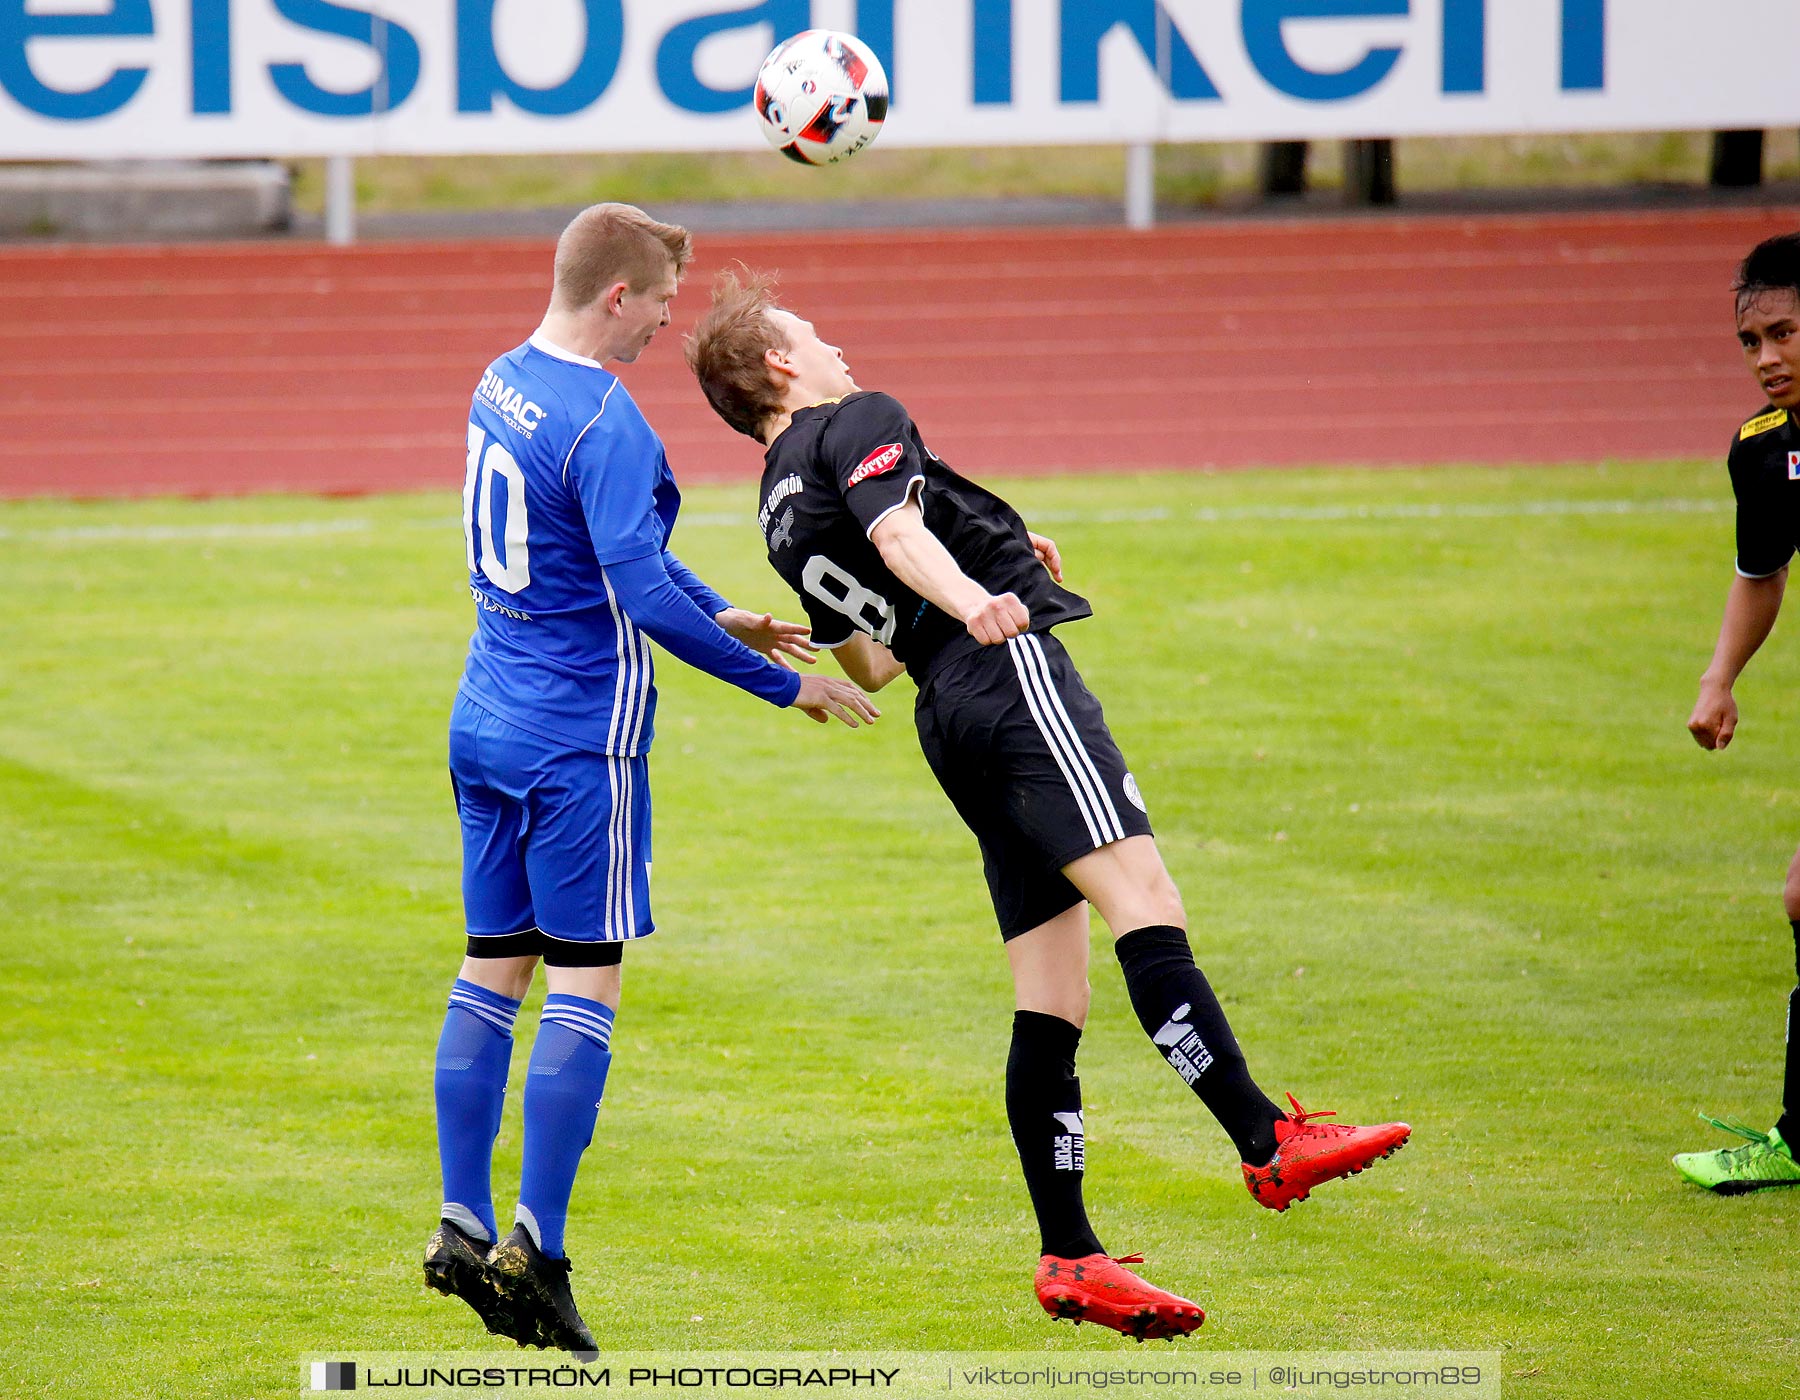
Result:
x=472 y=1059
x=563 y=1087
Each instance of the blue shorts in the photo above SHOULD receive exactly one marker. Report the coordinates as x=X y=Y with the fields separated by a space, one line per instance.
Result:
x=555 y=840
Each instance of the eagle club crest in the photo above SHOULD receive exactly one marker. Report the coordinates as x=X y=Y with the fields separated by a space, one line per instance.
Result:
x=784 y=531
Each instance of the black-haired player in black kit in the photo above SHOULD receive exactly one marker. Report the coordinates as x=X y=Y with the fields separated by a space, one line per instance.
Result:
x=905 y=566
x=1765 y=477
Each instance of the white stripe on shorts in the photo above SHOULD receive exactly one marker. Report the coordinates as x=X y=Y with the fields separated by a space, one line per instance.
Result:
x=616 y=925
x=1042 y=664
x=1064 y=742
x=628 y=877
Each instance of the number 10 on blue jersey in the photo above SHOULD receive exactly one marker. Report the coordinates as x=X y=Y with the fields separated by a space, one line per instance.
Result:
x=510 y=570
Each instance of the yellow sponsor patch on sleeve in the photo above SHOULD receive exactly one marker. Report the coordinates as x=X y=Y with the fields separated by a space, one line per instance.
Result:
x=1762 y=424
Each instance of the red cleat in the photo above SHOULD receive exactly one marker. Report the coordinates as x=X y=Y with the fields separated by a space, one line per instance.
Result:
x=1097 y=1289
x=1308 y=1153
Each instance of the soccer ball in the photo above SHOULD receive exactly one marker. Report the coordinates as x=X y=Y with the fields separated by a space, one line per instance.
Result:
x=821 y=97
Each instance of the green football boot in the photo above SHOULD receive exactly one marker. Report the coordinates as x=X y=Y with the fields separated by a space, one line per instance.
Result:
x=1763 y=1160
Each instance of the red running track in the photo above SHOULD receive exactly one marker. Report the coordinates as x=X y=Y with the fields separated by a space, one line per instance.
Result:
x=250 y=367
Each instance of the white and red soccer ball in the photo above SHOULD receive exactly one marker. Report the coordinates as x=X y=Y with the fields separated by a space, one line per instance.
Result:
x=821 y=96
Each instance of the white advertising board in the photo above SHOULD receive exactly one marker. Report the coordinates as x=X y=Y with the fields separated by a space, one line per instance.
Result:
x=86 y=79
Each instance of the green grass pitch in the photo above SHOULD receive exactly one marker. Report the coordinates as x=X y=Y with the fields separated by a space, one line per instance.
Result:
x=1413 y=743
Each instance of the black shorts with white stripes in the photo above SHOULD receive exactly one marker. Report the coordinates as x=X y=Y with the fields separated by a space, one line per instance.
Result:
x=1020 y=747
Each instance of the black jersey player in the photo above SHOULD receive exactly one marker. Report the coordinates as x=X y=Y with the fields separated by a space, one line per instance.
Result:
x=905 y=566
x=1765 y=476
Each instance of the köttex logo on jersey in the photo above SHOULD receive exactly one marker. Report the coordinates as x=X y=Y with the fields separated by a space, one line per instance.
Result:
x=881 y=460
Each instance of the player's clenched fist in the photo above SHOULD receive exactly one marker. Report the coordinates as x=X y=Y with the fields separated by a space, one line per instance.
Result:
x=995 y=619
x=821 y=697
x=1715 y=717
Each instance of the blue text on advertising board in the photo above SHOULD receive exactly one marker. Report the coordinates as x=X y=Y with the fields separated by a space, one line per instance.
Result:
x=480 y=77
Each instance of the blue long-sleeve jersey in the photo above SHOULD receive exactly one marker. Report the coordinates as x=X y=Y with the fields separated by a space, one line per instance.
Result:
x=568 y=506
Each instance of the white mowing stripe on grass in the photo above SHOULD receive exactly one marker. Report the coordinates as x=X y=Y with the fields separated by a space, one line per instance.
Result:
x=1421 y=510
x=250 y=531
x=178 y=534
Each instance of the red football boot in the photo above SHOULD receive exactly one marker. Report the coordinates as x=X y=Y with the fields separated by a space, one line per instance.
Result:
x=1097 y=1289
x=1308 y=1153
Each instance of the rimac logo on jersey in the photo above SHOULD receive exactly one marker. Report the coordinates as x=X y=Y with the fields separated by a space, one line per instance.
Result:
x=510 y=404
x=1794 y=466
x=881 y=460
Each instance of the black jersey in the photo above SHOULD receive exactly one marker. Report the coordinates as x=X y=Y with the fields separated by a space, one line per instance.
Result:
x=1765 y=476
x=834 y=474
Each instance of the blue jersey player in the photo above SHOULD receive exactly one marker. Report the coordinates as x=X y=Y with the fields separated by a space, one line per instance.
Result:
x=568 y=507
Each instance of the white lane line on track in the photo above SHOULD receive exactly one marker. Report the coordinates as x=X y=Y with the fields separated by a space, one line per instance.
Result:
x=253 y=531
x=172 y=282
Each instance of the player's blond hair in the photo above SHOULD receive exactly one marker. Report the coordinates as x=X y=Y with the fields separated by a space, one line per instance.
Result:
x=727 y=348
x=609 y=243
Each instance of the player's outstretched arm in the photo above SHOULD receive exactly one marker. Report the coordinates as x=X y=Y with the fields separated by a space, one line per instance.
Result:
x=919 y=560
x=1750 y=611
x=761 y=632
x=651 y=599
x=669 y=617
x=703 y=595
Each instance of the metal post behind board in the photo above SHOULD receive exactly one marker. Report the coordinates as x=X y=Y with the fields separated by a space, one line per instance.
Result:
x=1140 y=185
x=340 y=199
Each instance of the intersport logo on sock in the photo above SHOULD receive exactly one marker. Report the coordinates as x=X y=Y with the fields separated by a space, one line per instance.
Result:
x=1182 y=1045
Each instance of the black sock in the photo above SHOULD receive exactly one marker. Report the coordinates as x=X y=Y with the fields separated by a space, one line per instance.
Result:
x=1789 y=1126
x=1043 y=1105
x=1180 y=1013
